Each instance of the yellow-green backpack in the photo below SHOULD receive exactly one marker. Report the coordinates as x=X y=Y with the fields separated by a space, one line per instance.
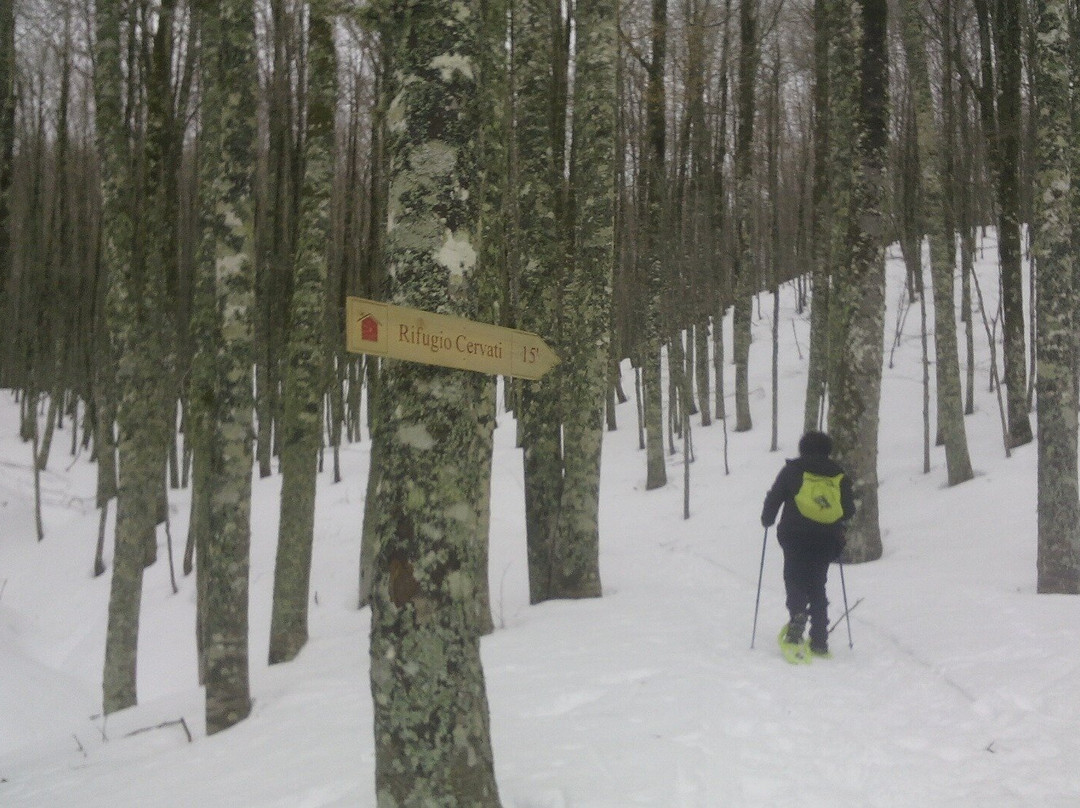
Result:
x=818 y=498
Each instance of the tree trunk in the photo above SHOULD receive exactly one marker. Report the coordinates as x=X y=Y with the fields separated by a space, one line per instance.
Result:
x=306 y=369
x=131 y=211
x=652 y=248
x=700 y=239
x=119 y=675
x=229 y=130
x=369 y=540
x=745 y=275
x=965 y=217
x=701 y=374
x=1009 y=122
x=1056 y=308
x=942 y=216
x=7 y=140
x=480 y=605
x=105 y=448
x=432 y=736
x=136 y=506
x=720 y=218
x=857 y=305
x=575 y=568
x=933 y=205
x=372 y=283
x=202 y=404
x=540 y=72
x=772 y=145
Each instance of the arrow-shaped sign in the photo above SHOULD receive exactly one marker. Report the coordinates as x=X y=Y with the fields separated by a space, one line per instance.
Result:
x=439 y=339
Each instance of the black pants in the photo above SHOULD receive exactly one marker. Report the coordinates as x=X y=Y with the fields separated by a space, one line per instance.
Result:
x=804 y=579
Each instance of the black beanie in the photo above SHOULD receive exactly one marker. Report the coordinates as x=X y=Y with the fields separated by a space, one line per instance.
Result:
x=816 y=444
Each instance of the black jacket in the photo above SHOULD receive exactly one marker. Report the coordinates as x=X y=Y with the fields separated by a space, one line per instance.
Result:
x=795 y=530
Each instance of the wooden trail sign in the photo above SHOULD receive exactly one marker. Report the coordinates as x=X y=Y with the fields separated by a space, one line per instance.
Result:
x=439 y=339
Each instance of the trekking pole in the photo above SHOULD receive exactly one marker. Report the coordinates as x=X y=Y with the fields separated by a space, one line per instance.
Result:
x=757 y=600
x=840 y=619
x=847 y=611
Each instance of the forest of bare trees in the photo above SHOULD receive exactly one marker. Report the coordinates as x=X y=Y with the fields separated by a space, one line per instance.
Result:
x=189 y=190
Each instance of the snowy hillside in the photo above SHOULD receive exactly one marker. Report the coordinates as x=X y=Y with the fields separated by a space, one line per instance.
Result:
x=963 y=686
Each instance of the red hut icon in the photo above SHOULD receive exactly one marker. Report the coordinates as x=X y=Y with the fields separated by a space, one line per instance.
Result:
x=369 y=328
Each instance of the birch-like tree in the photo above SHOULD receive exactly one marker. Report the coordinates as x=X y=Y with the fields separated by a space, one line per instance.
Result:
x=229 y=82
x=1056 y=300
x=744 y=254
x=7 y=138
x=540 y=73
x=1003 y=154
x=432 y=736
x=119 y=676
x=933 y=211
x=133 y=102
x=493 y=277
x=278 y=192
x=567 y=254
x=820 y=222
x=857 y=303
x=306 y=367
x=651 y=250
x=942 y=220
x=574 y=567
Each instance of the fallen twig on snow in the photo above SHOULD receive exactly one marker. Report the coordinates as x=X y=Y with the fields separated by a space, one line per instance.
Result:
x=840 y=619
x=179 y=721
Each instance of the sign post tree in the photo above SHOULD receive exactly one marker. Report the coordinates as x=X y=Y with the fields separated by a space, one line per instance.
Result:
x=432 y=734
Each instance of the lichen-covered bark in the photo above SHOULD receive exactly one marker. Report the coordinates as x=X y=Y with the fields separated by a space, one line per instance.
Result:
x=373 y=273
x=539 y=71
x=368 y=540
x=1006 y=166
x=857 y=305
x=566 y=243
x=950 y=405
x=480 y=605
x=698 y=207
x=432 y=737
x=701 y=369
x=1056 y=302
x=575 y=563
x=652 y=248
x=306 y=367
x=277 y=228
x=119 y=675
x=719 y=225
x=229 y=80
x=745 y=276
x=656 y=464
x=202 y=404
x=941 y=214
x=917 y=152
x=133 y=208
x=820 y=228
x=129 y=559
x=7 y=133
x=493 y=269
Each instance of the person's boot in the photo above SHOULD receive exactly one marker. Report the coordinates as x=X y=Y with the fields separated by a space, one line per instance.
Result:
x=795 y=628
x=819 y=642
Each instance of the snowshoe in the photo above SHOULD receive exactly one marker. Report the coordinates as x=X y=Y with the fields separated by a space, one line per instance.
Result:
x=797 y=653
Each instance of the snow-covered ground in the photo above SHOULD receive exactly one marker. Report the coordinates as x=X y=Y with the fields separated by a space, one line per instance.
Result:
x=962 y=688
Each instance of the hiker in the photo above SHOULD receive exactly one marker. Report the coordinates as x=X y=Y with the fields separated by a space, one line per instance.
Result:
x=818 y=503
